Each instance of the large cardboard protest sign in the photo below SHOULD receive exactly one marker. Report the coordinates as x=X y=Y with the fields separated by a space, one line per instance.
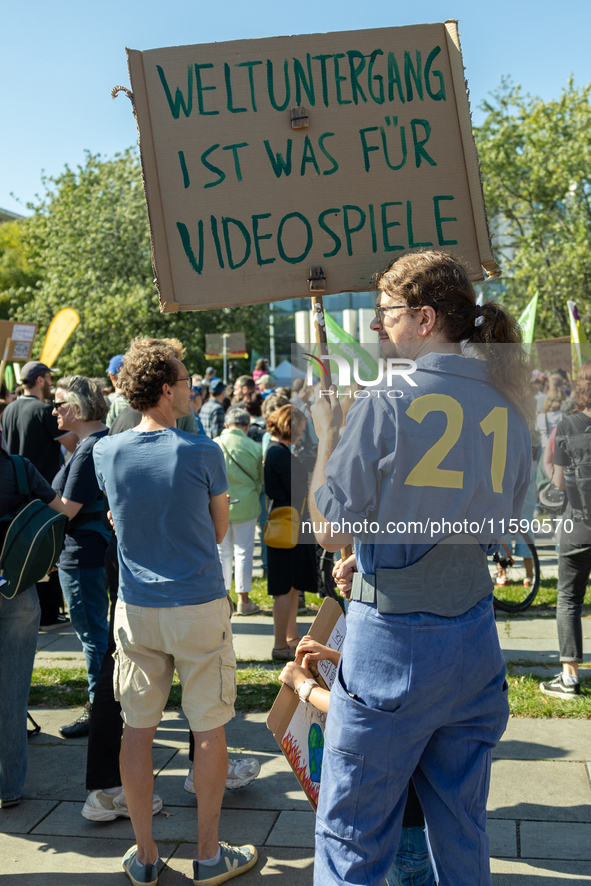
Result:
x=264 y=158
x=298 y=728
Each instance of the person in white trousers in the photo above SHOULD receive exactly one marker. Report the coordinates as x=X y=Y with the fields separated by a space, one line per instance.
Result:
x=244 y=469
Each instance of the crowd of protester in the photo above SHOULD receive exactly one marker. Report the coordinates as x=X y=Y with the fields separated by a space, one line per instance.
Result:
x=117 y=545
x=185 y=494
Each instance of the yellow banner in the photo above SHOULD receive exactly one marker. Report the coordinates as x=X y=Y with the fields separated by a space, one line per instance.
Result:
x=60 y=329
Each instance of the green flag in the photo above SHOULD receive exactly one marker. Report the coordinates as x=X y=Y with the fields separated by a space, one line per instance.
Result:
x=579 y=343
x=9 y=378
x=345 y=345
x=527 y=320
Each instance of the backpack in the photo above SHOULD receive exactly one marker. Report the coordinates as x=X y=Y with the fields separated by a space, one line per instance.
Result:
x=34 y=538
x=257 y=430
x=577 y=477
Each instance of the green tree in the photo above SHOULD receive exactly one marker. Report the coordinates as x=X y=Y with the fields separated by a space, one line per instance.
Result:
x=536 y=170
x=18 y=274
x=90 y=237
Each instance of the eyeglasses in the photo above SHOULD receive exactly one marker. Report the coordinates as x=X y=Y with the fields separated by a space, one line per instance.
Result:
x=380 y=311
x=60 y=403
x=186 y=378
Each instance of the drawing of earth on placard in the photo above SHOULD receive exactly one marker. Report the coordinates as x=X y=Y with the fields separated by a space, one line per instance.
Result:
x=315 y=749
x=303 y=744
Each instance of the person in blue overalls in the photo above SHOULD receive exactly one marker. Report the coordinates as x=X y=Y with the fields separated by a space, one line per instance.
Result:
x=421 y=479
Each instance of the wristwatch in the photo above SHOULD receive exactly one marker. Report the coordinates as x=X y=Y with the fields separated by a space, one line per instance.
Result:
x=306 y=688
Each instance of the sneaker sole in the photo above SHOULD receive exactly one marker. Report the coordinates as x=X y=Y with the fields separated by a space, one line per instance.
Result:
x=555 y=694
x=190 y=788
x=81 y=734
x=243 y=782
x=221 y=878
x=139 y=882
x=92 y=814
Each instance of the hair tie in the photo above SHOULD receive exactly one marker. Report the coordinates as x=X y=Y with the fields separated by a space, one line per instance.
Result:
x=478 y=315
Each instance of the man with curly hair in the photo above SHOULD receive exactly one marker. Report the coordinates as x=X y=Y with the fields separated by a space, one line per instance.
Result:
x=167 y=494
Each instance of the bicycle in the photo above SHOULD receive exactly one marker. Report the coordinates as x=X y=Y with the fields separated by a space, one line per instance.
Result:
x=514 y=596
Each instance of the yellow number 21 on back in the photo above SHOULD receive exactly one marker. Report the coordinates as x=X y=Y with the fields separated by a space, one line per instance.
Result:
x=427 y=472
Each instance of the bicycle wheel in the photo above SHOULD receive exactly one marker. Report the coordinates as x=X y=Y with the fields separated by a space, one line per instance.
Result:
x=514 y=596
x=326 y=579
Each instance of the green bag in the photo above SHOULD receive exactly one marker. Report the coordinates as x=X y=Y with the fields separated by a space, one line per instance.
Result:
x=34 y=539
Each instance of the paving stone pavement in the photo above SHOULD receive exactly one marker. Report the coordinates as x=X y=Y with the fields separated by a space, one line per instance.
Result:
x=539 y=806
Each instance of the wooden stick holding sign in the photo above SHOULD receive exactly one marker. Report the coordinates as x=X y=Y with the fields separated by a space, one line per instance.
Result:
x=317 y=280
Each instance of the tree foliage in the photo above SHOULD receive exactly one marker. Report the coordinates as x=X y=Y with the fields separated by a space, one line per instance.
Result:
x=536 y=167
x=90 y=240
x=18 y=274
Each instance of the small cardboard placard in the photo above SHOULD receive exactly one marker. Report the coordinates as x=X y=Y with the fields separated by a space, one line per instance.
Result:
x=235 y=346
x=263 y=159
x=16 y=340
x=555 y=353
x=298 y=728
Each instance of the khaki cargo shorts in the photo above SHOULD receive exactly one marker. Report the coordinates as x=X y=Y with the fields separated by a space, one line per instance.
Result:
x=194 y=640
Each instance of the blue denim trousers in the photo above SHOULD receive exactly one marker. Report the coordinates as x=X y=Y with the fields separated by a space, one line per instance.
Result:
x=415 y=695
x=19 y=624
x=85 y=592
x=412 y=865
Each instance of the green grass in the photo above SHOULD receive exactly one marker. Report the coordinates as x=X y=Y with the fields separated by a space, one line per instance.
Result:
x=59 y=686
x=67 y=687
x=259 y=596
x=258 y=687
x=545 y=601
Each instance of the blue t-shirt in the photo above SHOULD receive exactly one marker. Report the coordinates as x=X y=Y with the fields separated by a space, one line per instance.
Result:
x=158 y=484
x=450 y=449
x=86 y=536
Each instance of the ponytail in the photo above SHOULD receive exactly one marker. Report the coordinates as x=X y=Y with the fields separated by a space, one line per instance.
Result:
x=498 y=326
x=441 y=281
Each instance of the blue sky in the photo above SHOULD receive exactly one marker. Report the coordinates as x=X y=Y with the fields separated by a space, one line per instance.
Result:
x=59 y=61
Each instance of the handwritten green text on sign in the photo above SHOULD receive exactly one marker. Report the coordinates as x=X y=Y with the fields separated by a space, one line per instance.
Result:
x=239 y=198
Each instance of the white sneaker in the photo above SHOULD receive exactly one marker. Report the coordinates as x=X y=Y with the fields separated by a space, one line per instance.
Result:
x=101 y=807
x=241 y=771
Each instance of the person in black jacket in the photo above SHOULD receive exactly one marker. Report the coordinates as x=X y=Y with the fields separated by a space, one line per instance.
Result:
x=572 y=449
